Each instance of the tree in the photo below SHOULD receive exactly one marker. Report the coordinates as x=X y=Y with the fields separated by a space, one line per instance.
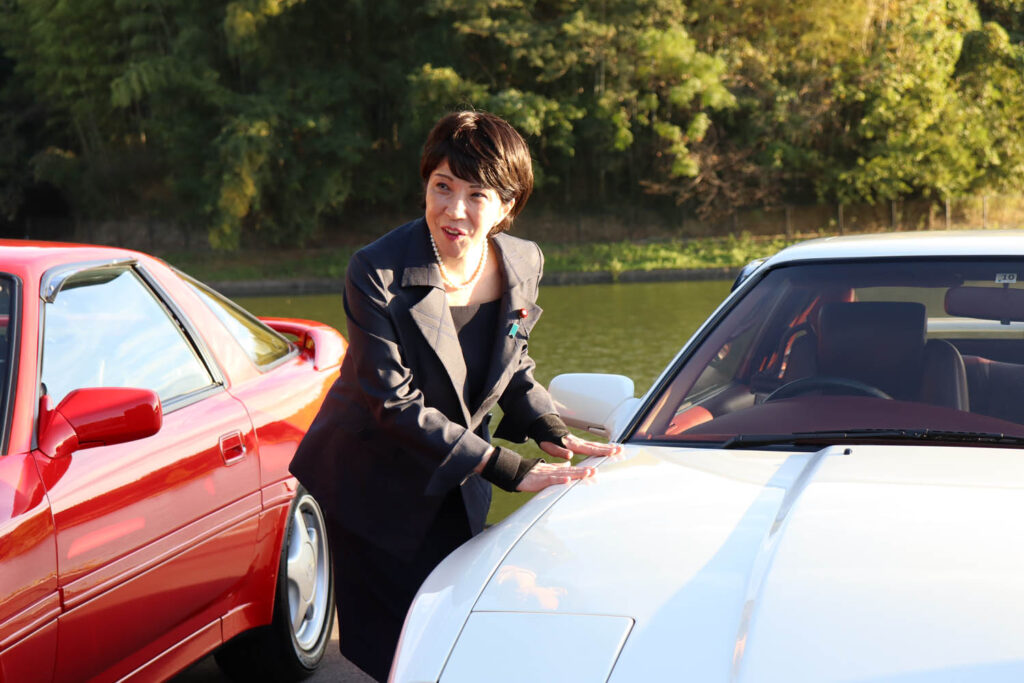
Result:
x=988 y=79
x=865 y=100
x=1008 y=14
x=917 y=136
x=211 y=113
x=607 y=89
x=63 y=54
x=796 y=70
x=267 y=119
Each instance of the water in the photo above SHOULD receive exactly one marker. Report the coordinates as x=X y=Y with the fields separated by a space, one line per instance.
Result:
x=628 y=329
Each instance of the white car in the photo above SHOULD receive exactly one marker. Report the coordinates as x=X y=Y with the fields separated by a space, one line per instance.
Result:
x=826 y=484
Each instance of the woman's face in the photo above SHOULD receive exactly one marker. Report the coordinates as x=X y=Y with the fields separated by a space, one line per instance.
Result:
x=461 y=213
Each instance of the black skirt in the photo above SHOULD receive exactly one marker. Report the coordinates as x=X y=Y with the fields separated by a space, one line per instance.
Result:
x=374 y=588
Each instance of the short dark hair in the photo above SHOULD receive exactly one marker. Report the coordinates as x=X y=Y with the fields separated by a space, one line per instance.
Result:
x=482 y=148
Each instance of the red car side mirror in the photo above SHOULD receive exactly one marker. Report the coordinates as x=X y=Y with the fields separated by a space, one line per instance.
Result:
x=98 y=417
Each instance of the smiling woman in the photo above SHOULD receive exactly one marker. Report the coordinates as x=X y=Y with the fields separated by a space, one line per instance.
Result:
x=460 y=213
x=468 y=201
x=460 y=216
x=439 y=313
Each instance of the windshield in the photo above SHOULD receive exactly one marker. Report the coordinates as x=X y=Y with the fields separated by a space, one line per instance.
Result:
x=872 y=350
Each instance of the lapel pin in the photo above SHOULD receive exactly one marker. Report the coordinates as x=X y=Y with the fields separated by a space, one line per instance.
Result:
x=522 y=313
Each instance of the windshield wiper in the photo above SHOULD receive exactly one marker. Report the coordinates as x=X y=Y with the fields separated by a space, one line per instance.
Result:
x=872 y=435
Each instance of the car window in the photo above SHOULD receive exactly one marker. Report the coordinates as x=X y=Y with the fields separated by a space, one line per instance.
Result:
x=7 y=324
x=108 y=329
x=899 y=344
x=263 y=345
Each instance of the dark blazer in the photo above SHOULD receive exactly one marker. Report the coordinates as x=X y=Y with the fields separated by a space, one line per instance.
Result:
x=396 y=432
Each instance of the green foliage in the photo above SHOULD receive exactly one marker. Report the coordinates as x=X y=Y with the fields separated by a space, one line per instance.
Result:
x=989 y=78
x=233 y=126
x=16 y=117
x=263 y=264
x=917 y=136
x=732 y=251
x=616 y=86
x=438 y=90
x=1008 y=14
x=852 y=101
x=64 y=54
x=267 y=120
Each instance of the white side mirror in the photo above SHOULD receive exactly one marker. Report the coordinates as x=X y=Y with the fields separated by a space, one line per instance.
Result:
x=597 y=403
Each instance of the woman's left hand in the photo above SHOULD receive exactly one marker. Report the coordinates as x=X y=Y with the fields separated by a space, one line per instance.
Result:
x=577 y=446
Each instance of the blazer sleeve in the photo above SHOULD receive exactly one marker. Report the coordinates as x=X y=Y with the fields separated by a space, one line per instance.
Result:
x=524 y=399
x=390 y=393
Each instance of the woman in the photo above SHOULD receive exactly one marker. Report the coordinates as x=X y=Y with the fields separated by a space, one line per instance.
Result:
x=439 y=313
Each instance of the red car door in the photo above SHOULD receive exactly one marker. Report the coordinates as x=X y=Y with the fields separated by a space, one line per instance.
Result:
x=29 y=600
x=152 y=535
x=29 y=597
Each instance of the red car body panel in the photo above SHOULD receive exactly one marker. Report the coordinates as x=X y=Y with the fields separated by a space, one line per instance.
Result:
x=28 y=608
x=135 y=559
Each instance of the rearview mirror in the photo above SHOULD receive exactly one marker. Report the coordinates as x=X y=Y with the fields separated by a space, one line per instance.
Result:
x=988 y=303
x=98 y=417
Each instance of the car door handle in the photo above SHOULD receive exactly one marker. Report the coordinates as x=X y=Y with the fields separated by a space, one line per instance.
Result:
x=232 y=447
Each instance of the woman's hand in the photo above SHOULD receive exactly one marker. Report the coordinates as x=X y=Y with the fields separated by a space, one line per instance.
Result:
x=577 y=446
x=545 y=474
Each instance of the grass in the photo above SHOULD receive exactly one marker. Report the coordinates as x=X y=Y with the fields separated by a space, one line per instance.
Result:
x=614 y=257
x=263 y=264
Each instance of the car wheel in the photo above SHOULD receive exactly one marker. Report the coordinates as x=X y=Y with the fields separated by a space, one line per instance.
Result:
x=292 y=646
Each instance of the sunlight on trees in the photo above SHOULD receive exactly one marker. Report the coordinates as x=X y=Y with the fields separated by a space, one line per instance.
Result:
x=268 y=119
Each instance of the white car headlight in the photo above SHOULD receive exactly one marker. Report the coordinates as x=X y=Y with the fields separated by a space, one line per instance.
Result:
x=512 y=647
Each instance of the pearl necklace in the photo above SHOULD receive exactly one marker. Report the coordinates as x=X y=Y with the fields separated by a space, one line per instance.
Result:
x=444 y=271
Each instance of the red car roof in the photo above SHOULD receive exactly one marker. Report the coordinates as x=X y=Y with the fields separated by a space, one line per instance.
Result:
x=28 y=258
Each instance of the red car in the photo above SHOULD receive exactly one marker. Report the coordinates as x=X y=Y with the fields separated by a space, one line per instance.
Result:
x=147 y=516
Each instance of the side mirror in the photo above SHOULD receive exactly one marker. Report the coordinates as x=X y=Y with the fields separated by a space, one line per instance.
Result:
x=593 y=401
x=746 y=272
x=98 y=417
x=323 y=343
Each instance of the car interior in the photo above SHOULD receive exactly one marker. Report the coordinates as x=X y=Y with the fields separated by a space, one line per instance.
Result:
x=942 y=342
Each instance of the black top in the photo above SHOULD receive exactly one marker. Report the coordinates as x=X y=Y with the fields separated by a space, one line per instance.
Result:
x=476 y=324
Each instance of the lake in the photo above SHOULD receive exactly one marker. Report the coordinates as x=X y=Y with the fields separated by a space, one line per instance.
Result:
x=628 y=329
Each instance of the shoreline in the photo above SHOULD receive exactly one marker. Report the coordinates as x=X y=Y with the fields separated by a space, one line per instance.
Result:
x=324 y=285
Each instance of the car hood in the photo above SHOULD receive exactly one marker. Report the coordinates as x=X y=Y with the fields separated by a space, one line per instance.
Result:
x=862 y=563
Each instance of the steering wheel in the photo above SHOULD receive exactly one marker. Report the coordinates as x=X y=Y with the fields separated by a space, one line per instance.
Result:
x=842 y=384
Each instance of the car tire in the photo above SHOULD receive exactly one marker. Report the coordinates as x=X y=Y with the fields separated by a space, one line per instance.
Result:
x=292 y=646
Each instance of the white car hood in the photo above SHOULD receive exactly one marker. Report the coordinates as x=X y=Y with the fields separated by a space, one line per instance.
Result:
x=864 y=563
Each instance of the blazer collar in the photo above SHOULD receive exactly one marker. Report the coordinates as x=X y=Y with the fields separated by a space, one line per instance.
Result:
x=516 y=270
x=429 y=309
x=420 y=269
